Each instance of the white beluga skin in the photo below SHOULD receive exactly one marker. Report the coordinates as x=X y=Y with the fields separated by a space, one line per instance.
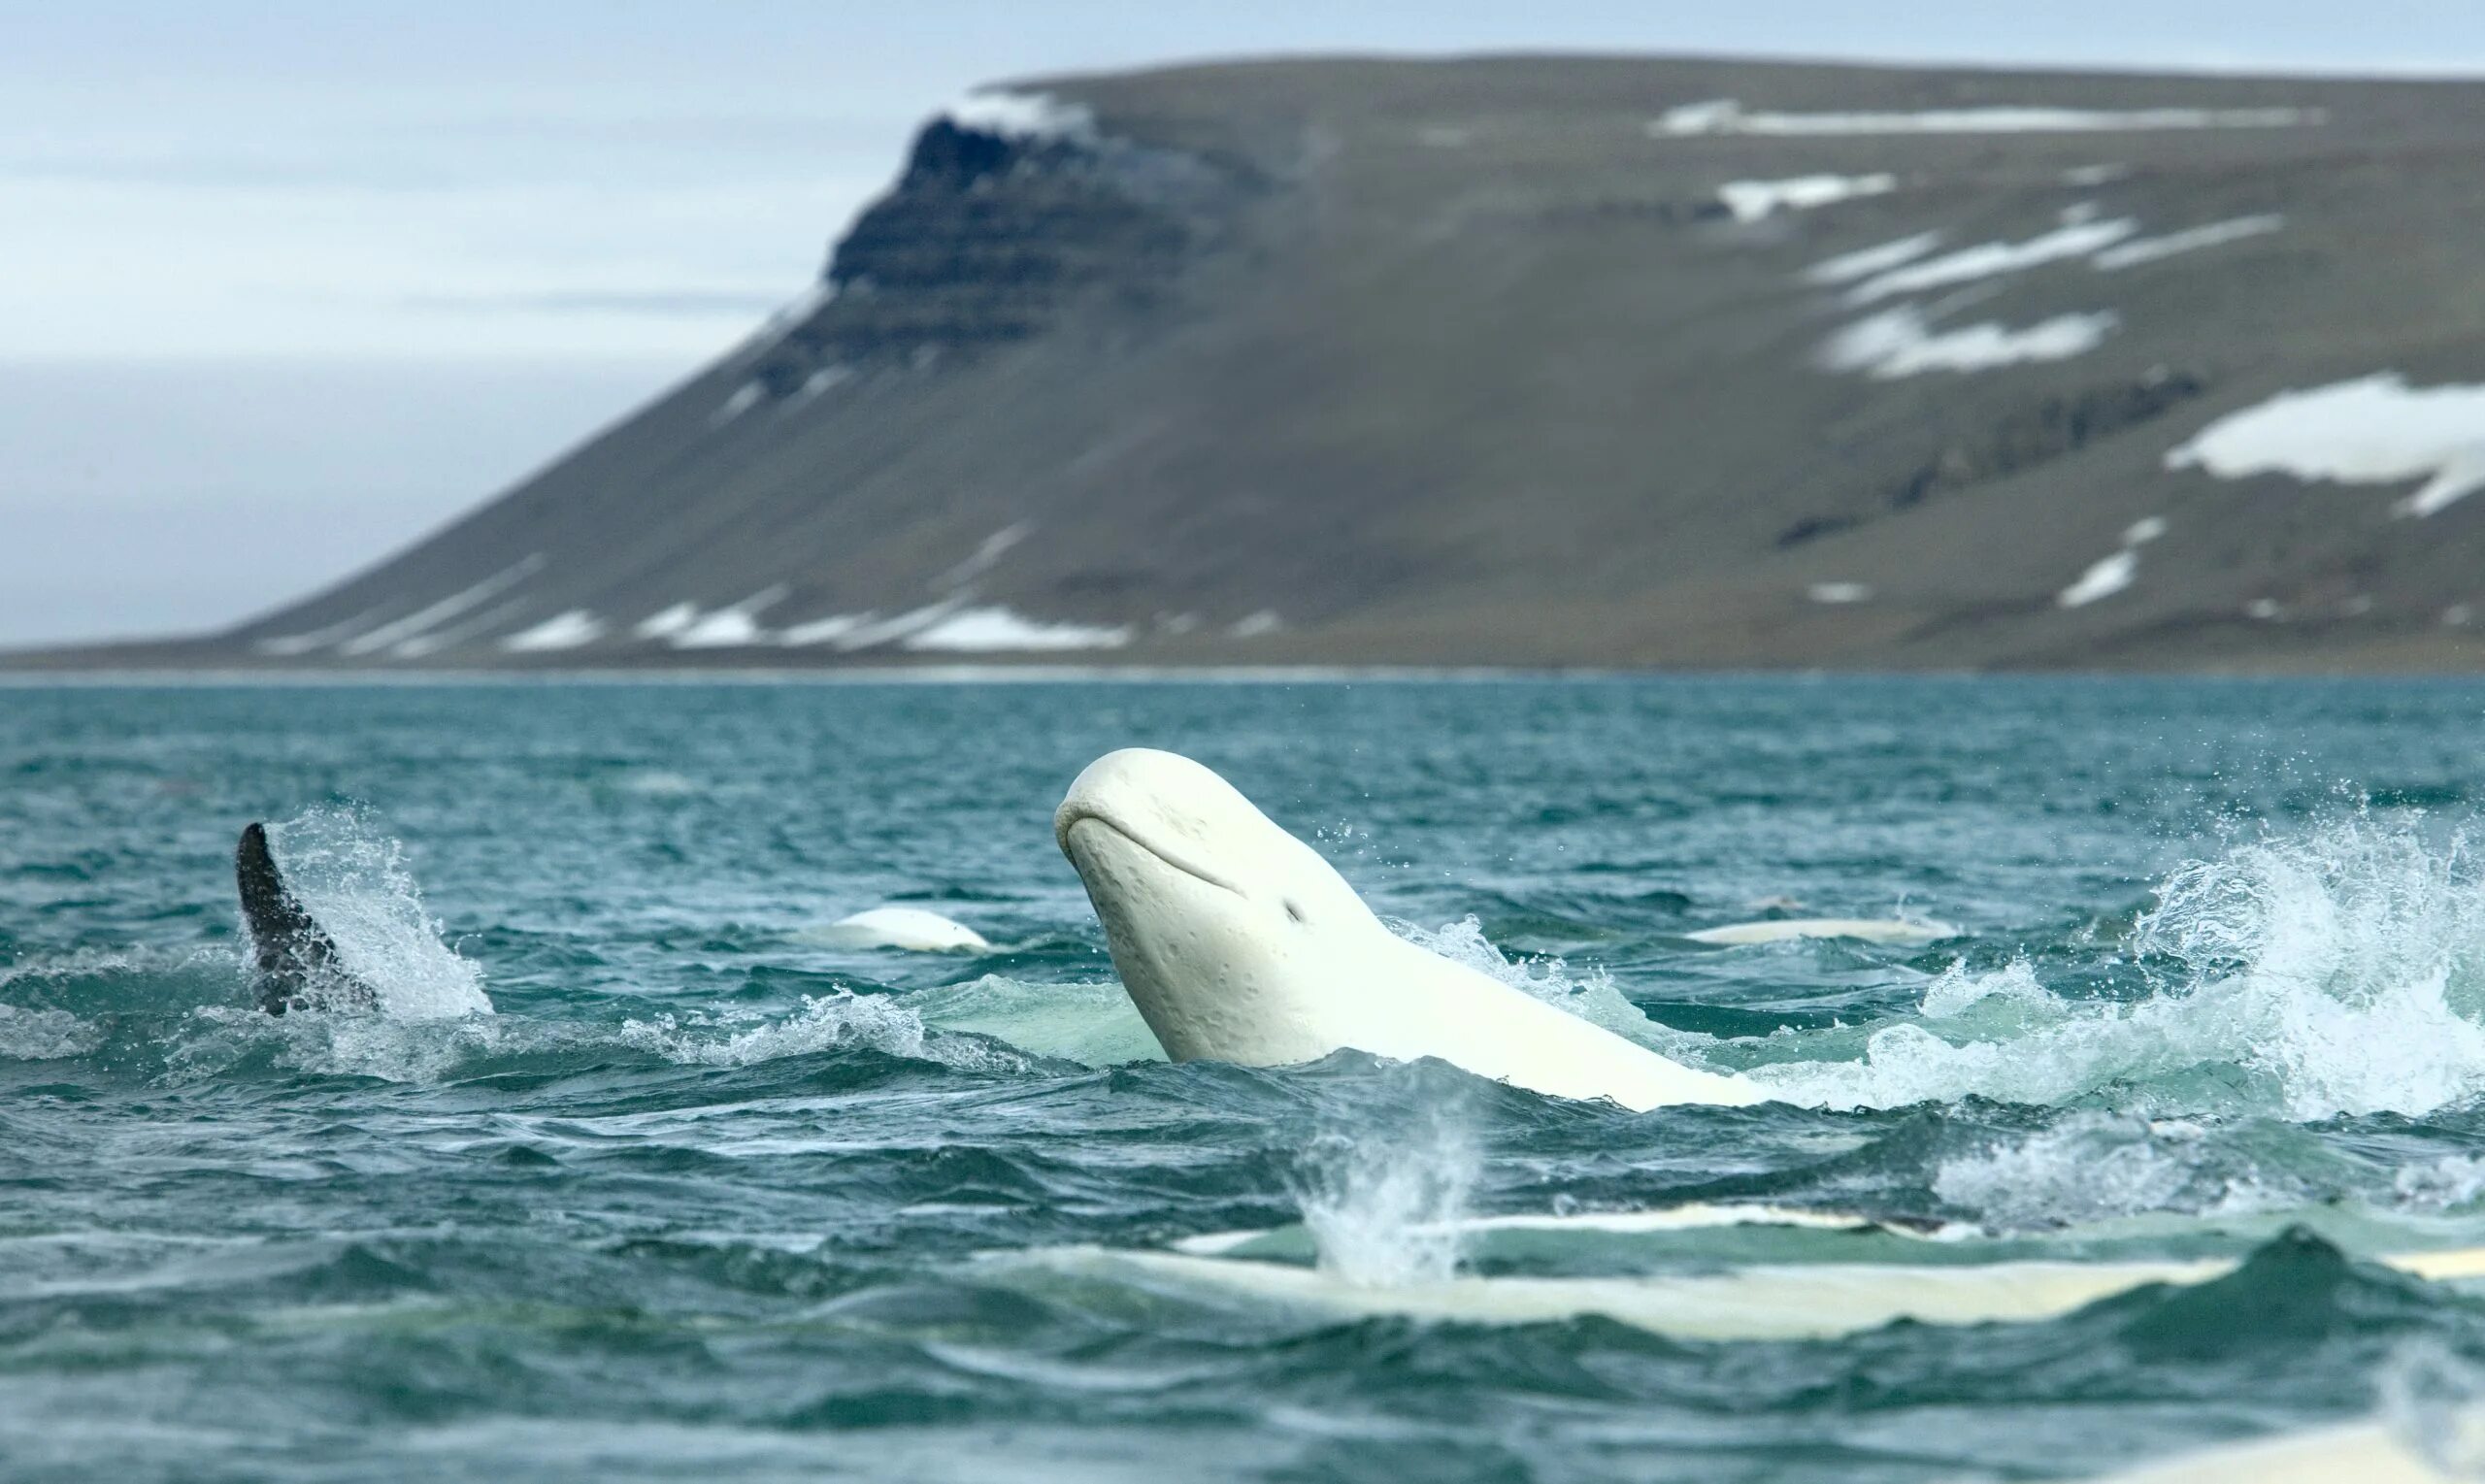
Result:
x=1871 y=930
x=911 y=928
x=1239 y=943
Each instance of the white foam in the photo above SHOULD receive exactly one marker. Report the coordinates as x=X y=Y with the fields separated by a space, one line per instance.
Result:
x=2374 y=430
x=1726 y=115
x=354 y=882
x=45 y=1036
x=1036 y=116
x=2342 y=972
x=440 y=612
x=1837 y=592
x=1754 y=200
x=2144 y=530
x=2093 y=1167
x=731 y=1038
x=571 y=630
x=2105 y=577
x=1256 y=625
x=733 y=627
x=986 y=630
x=1900 y=342
x=1383 y=1205
x=2089 y=175
x=2079 y=236
x=1865 y=262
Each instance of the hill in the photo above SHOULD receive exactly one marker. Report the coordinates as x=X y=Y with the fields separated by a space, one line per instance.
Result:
x=1551 y=361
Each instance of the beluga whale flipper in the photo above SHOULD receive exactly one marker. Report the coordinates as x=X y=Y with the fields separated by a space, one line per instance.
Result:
x=1240 y=944
x=294 y=963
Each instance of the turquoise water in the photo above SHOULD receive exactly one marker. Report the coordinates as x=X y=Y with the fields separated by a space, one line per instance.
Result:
x=637 y=1177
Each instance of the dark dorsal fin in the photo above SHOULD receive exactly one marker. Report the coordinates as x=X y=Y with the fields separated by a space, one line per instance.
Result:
x=289 y=950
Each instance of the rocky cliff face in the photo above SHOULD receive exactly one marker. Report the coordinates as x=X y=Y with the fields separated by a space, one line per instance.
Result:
x=1553 y=361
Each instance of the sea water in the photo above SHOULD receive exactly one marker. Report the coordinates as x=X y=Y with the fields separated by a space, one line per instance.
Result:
x=635 y=1175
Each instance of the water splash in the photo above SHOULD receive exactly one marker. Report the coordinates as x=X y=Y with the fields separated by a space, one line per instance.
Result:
x=1589 y=994
x=2342 y=972
x=2096 y=1165
x=823 y=1023
x=45 y=1036
x=352 y=880
x=1383 y=1205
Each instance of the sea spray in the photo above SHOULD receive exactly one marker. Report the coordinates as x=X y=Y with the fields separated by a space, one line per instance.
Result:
x=2337 y=971
x=353 y=881
x=1383 y=1204
x=2433 y=1399
x=2093 y=1166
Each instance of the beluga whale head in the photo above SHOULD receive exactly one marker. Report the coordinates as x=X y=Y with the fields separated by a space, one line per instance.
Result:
x=1238 y=942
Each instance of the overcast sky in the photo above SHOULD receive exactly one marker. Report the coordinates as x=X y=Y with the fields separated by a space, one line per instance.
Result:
x=283 y=285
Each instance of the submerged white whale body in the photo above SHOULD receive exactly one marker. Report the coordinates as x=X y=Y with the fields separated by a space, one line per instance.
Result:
x=1239 y=943
x=1871 y=930
x=911 y=928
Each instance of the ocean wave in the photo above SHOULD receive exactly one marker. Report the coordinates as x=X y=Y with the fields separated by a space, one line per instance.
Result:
x=2339 y=971
x=740 y=1037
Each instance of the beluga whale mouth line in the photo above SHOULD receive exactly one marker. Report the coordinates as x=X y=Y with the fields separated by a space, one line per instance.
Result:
x=1282 y=963
x=1068 y=820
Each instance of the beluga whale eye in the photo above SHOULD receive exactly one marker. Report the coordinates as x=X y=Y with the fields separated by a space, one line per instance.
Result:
x=1292 y=910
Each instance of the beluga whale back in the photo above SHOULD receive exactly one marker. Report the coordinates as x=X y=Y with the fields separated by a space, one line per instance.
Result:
x=1240 y=944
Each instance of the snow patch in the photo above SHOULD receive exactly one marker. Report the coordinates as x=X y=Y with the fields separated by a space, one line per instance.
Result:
x=2106 y=578
x=988 y=552
x=1753 y=200
x=571 y=630
x=2101 y=580
x=871 y=631
x=315 y=639
x=2216 y=234
x=1900 y=342
x=1726 y=115
x=2075 y=238
x=978 y=630
x=1036 y=115
x=730 y=628
x=1865 y=262
x=2374 y=430
x=668 y=622
x=424 y=619
x=746 y=397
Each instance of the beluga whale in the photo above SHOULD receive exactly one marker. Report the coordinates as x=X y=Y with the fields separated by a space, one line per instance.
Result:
x=293 y=961
x=1240 y=944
